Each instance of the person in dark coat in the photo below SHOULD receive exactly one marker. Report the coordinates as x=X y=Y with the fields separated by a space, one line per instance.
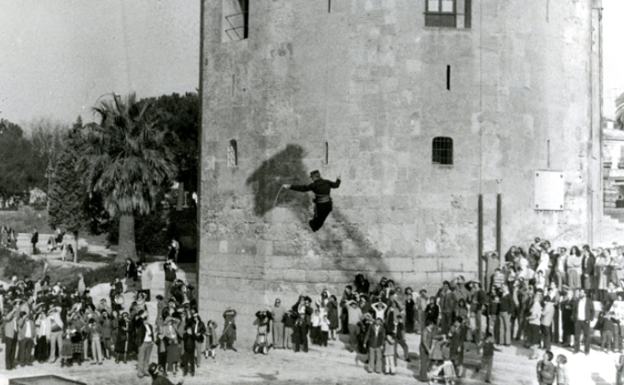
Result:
x=34 y=239
x=121 y=342
x=410 y=311
x=199 y=331
x=323 y=203
x=300 y=335
x=432 y=311
x=188 y=358
x=159 y=377
x=131 y=274
x=229 y=330
x=587 y=268
x=582 y=314
x=426 y=345
x=374 y=340
x=566 y=305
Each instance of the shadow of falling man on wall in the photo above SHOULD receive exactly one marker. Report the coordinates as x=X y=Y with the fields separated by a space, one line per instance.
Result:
x=339 y=237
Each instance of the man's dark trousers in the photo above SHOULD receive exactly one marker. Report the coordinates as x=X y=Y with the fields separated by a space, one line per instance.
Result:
x=321 y=212
x=581 y=326
x=11 y=347
x=424 y=364
x=26 y=346
x=188 y=362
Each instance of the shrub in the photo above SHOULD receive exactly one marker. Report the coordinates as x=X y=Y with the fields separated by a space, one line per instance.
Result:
x=20 y=265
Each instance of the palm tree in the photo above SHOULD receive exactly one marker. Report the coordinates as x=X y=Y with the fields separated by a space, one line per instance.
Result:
x=127 y=161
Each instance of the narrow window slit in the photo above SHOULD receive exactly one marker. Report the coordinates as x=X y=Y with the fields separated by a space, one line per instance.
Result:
x=448 y=77
x=232 y=154
x=326 y=152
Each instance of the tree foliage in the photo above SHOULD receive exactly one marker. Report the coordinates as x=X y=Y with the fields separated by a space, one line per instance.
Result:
x=68 y=195
x=16 y=174
x=128 y=161
x=181 y=115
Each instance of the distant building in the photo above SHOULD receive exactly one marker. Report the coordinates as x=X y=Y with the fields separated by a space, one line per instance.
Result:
x=457 y=126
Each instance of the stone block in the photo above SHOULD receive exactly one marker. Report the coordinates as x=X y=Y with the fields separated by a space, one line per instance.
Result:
x=294 y=275
x=399 y=264
x=426 y=264
x=434 y=278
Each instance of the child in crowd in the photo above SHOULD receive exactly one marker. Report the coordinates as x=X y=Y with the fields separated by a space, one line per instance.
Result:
x=315 y=330
x=161 y=350
x=324 y=330
x=300 y=338
x=389 y=355
x=607 y=330
x=546 y=371
x=563 y=378
x=289 y=328
x=188 y=358
x=211 y=339
x=67 y=350
x=487 y=357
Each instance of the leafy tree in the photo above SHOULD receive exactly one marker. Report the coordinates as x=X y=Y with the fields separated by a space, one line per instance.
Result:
x=68 y=194
x=47 y=138
x=15 y=160
x=127 y=161
x=181 y=115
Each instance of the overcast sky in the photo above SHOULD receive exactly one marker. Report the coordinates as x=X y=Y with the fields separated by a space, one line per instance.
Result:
x=60 y=56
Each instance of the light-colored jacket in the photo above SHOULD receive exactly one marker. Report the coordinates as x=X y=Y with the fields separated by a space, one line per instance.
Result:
x=547 y=314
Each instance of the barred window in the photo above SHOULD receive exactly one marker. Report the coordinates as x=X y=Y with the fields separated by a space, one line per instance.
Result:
x=232 y=154
x=442 y=150
x=235 y=20
x=448 y=13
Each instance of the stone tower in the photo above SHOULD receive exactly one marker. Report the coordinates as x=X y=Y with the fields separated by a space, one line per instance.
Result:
x=457 y=126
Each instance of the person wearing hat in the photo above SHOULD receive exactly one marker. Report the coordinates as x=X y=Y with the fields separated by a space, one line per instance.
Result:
x=170 y=276
x=56 y=332
x=323 y=203
x=145 y=338
x=11 y=331
x=42 y=326
x=121 y=342
x=228 y=337
x=172 y=340
x=199 y=333
x=158 y=374
x=26 y=339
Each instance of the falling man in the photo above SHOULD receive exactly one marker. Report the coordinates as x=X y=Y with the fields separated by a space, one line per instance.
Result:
x=323 y=203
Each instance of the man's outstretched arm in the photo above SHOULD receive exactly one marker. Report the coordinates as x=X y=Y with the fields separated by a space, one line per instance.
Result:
x=302 y=188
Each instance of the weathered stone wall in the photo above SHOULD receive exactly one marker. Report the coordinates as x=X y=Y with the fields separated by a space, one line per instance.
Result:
x=368 y=81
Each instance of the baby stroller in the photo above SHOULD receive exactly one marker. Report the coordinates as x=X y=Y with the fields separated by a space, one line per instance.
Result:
x=263 y=320
x=441 y=369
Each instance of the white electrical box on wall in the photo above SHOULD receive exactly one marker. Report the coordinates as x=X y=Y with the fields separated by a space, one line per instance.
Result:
x=549 y=190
